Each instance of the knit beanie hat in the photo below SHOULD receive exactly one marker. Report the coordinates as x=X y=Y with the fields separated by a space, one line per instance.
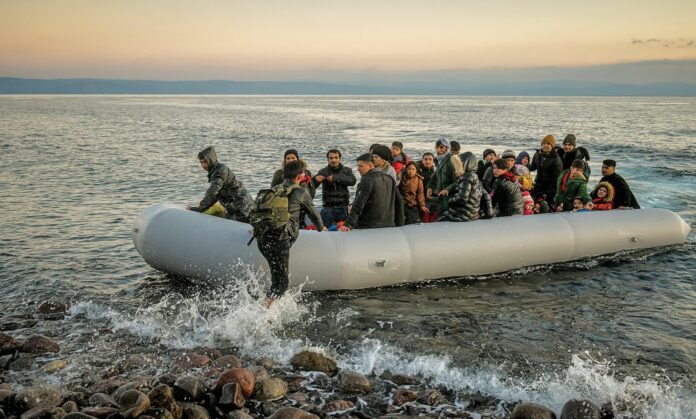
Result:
x=501 y=164
x=442 y=141
x=569 y=139
x=291 y=151
x=549 y=139
x=508 y=154
x=382 y=151
x=521 y=170
x=488 y=151
x=527 y=198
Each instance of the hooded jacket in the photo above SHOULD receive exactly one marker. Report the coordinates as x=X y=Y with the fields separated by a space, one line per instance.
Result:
x=412 y=191
x=623 y=197
x=470 y=199
x=578 y=153
x=300 y=202
x=568 y=189
x=548 y=167
x=449 y=169
x=507 y=195
x=307 y=184
x=335 y=193
x=224 y=187
x=377 y=203
x=606 y=203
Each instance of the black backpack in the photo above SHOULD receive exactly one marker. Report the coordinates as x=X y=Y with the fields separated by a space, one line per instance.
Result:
x=270 y=209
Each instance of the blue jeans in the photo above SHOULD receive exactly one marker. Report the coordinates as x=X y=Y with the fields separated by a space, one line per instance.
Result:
x=332 y=215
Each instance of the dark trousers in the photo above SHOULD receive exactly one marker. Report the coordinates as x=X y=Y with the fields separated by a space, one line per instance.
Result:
x=275 y=246
x=412 y=215
x=334 y=214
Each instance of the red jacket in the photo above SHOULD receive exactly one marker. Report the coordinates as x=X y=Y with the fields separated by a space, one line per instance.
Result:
x=600 y=205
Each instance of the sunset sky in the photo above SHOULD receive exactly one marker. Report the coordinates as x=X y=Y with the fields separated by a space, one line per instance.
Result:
x=285 y=40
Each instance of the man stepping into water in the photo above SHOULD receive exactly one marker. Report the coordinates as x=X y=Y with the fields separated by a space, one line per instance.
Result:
x=275 y=217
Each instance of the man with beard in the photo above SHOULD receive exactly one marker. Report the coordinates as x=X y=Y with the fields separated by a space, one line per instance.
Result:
x=335 y=180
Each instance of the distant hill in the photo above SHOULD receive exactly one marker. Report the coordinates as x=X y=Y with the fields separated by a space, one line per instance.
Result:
x=12 y=85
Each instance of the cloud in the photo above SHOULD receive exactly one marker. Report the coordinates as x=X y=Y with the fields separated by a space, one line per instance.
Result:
x=666 y=43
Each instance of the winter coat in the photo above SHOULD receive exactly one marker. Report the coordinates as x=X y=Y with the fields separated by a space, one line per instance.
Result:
x=400 y=162
x=377 y=203
x=507 y=196
x=568 y=189
x=606 y=203
x=623 y=197
x=336 y=192
x=307 y=183
x=465 y=204
x=412 y=191
x=483 y=165
x=388 y=170
x=300 y=203
x=224 y=187
x=429 y=176
x=447 y=172
x=578 y=153
x=548 y=168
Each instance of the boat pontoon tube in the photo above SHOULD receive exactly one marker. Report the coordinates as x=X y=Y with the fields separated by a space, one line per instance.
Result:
x=187 y=243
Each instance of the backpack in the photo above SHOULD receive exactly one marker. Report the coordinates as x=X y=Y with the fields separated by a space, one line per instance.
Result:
x=270 y=209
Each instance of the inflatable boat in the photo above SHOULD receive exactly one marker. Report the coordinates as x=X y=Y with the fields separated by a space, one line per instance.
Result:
x=181 y=242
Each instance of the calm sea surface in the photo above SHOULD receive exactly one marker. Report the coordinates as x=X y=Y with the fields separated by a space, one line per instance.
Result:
x=75 y=171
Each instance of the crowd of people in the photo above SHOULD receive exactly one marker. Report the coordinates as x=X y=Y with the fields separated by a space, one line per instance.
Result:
x=394 y=190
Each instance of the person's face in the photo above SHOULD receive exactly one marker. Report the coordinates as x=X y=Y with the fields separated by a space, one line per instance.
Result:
x=491 y=157
x=525 y=161
x=497 y=171
x=334 y=159
x=510 y=162
x=428 y=161
x=537 y=208
x=546 y=147
x=577 y=204
x=602 y=192
x=395 y=151
x=574 y=172
x=441 y=149
x=530 y=207
x=364 y=167
x=411 y=170
x=290 y=158
x=568 y=147
x=378 y=160
x=204 y=164
x=607 y=170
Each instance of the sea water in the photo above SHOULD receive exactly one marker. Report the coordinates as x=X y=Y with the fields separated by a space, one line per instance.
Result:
x=76 y=170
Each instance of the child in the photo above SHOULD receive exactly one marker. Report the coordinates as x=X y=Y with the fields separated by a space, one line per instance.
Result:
x=528 y=203
x=604 y=194
x=411 y=188
x=578 y=205
x=524 y=177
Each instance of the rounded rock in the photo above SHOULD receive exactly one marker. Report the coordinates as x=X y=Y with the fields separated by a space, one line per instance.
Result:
x=532 y=411
x=8 y=344
x=226 y=362
x=243 y=376
x=100 y=412
x=193 y=411
x=314 y=361
x=158 y=413
x=260 y=373
x=431 y=397
x=580 y=409
x=238 y=414
x=38 y=344
x=53 y=366
x=292 y=413
x=51 y=307
x=189 y=387
x=162 y=396
x=270 y=389
x=353 y=382
x=190 y=360
x=38 y=396
x=137 y=384
x=338 y=406
x=78 y=415
x=102 y=400
x=231 y=396
x=134 y=403
x=404 y=395
x=70 y=407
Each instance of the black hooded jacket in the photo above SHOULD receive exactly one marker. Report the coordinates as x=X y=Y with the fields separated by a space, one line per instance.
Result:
x=548 y=168
x=299 y=203
x=224 y=187
x=623 y=197
x=579 y=153
x=336 y=192
x=465 y=204
x=507 y=197
x=377 y=203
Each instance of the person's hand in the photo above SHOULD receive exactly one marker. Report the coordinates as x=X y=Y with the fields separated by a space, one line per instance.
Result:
x=324 y=229
x=330 y=179
x=344 y=229
x=443 y=192
x=429 y=193
x=559 y=208
x=589 y=206
x=319 y=178
x=188 y=207
x=425 y=210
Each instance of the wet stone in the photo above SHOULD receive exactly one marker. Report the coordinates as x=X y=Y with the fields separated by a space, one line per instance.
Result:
x=243 y=376
x=297 y=397
x=431 y=397
x=231 y=396
x=78 y=415
x=404 y=395
x=314 y=361
x=53 y=366
x=107 y=386
x=353 y=382
x=404 y=380
x=23 y=362
x=138 y=384
x=260 y=373
x=38 y=344
x=70 y=407
x=44 y=396
x=580 y=409
x=532 y=411
x=226 y=362
x=338 y=406
x=99 y=412
x=192 y=411
x=270 y=389
x=51 y=307
x=8 y=344
x=293 y=413
x=166 y=379
x=211 y=353
x=7 y=397
x=189 y=387
x=134 y=403
x=238 y=414
x=266 y=362
x=190 y=360
x=78 y=395
x=7 y=324
x=102 y=400
x=162 y=396
x=158 y=413
x=209 y=401
x=268 y=408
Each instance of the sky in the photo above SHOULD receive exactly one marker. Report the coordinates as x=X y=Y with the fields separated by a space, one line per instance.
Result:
x=325 y=39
